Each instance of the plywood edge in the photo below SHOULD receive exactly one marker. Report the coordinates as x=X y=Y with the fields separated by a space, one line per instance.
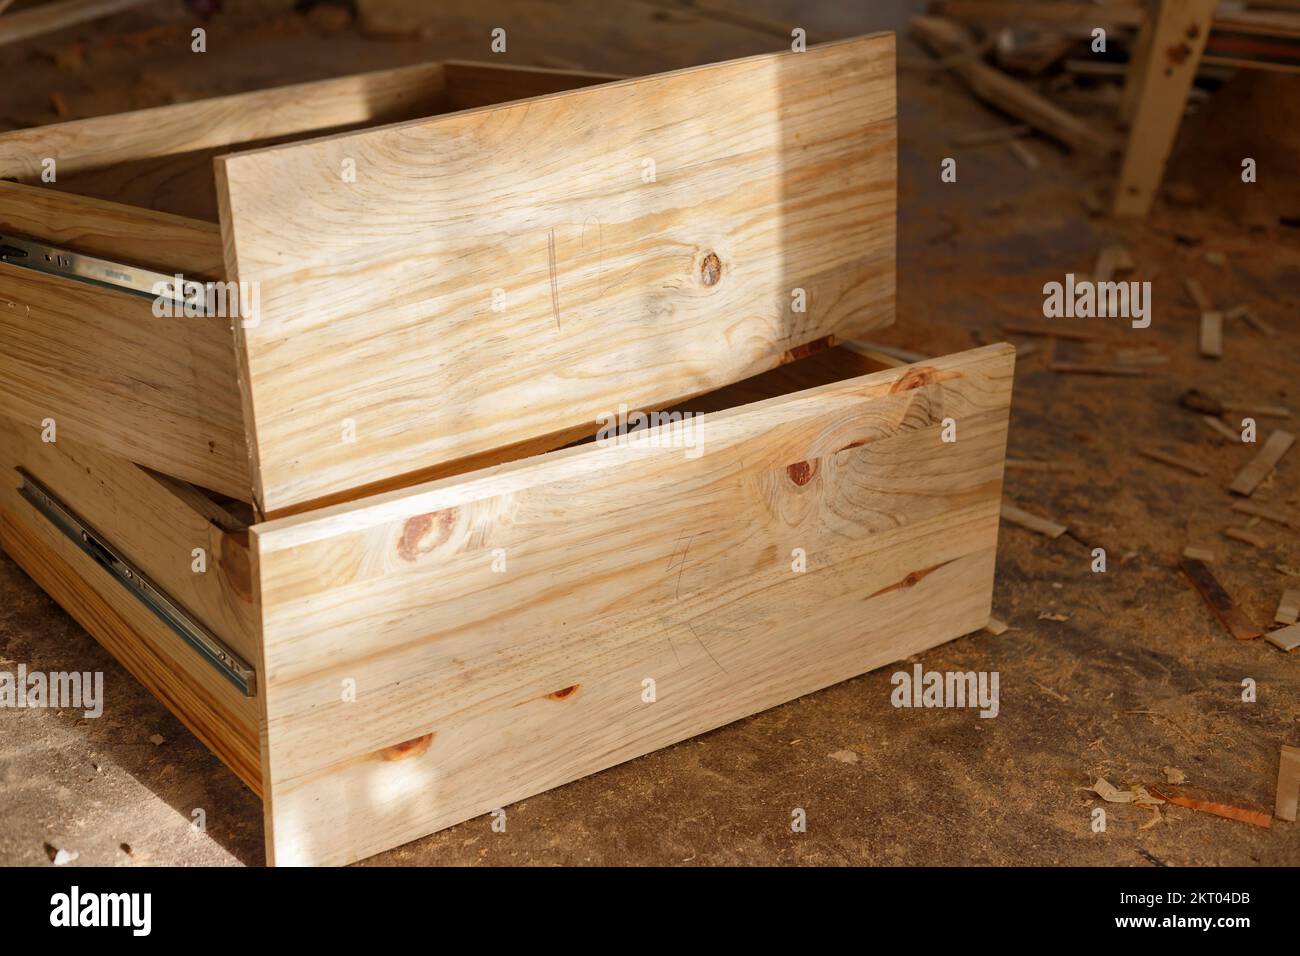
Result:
x=126 y=234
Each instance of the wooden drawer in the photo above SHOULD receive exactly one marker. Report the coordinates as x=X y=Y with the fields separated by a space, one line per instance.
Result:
x=427 y=654
x=451 y=263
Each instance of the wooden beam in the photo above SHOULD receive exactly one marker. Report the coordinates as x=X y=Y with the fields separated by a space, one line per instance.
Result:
x=1177 y=40
x=947 y=39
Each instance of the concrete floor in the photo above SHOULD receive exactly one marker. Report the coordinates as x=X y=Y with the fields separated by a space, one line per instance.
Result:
x=1127 y=675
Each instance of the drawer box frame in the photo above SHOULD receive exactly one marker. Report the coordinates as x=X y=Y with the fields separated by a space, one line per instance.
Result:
x=442 y=620
x=428 y=654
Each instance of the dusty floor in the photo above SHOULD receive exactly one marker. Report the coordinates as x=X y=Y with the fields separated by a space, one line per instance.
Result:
x=1135 y=677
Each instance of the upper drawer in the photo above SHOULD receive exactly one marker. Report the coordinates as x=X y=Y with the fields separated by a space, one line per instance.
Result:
x=432 y=290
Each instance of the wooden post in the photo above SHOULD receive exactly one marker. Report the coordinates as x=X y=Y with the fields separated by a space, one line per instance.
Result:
x=1177 y=40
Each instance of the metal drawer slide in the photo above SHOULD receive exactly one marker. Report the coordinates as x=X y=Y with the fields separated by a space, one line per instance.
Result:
x=211 y=647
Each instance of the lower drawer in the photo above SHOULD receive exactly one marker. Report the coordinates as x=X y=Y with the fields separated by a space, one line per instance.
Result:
x=426 y=655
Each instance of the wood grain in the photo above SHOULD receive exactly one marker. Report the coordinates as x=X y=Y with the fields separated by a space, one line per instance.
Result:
x=138 y=237
x=624 y=563
x=150 y=524
x=1177 y=39
x=1265 y=460
x=771 y=173
x=214 y=711
x=161 y=158
x=158 y=391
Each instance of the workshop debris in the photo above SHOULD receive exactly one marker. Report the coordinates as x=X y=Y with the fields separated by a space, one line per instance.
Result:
x=1053 y=616
x=1044 y=526
x=1245 y=537
x=64 y=857
x=1285 y=638
x=999 y=135
x=845 y=756
x=1212 y=334
x=1201 y=300
x=1218 y=426
x=1174 y=461
x=1207 y=404
x=1249 y=507
x=1265 y=460
x=1028 y=158
x=1174 y=775
x=1031 y=464
x=49 y=17
x=1198 y=554
x=996 y=627
x=1138 y=796
x=1225 y=609
x=157 y=740
x=950 y=40
x=1288 y=784
x=1288 y=609
x=1086 y=368
x=1227 y=811
x=1258 y=324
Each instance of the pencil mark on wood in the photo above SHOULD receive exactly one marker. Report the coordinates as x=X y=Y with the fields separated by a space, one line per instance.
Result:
x=555 y=285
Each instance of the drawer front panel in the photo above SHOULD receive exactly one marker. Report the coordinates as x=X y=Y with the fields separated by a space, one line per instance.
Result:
x=435 y=289
x=497 y=630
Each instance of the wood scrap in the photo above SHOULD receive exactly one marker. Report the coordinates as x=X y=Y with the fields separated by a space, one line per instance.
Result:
x=1044 y=526
x=1265 y=461
x=1246 y=537
x=1288 y=608
x=1053 y=332
x=1224 y=810
x=1060 y=13
x=945 y=38
x=884 y=354
x=1199 y=554
x=1258 y=324
x=1212 y=334
x=1198 y=295
x=1173 y=775
x=1225 y=609
x=1268 y=514
x=1030 y=464
x=1217 y=425
x=55 y=16
x=1288 y=784
x=984 y=136
x=1287 y=638
x=1023 y=153
x=997 y=627
x=1174 y=461
x=1088 y=368
x=1199 y=401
